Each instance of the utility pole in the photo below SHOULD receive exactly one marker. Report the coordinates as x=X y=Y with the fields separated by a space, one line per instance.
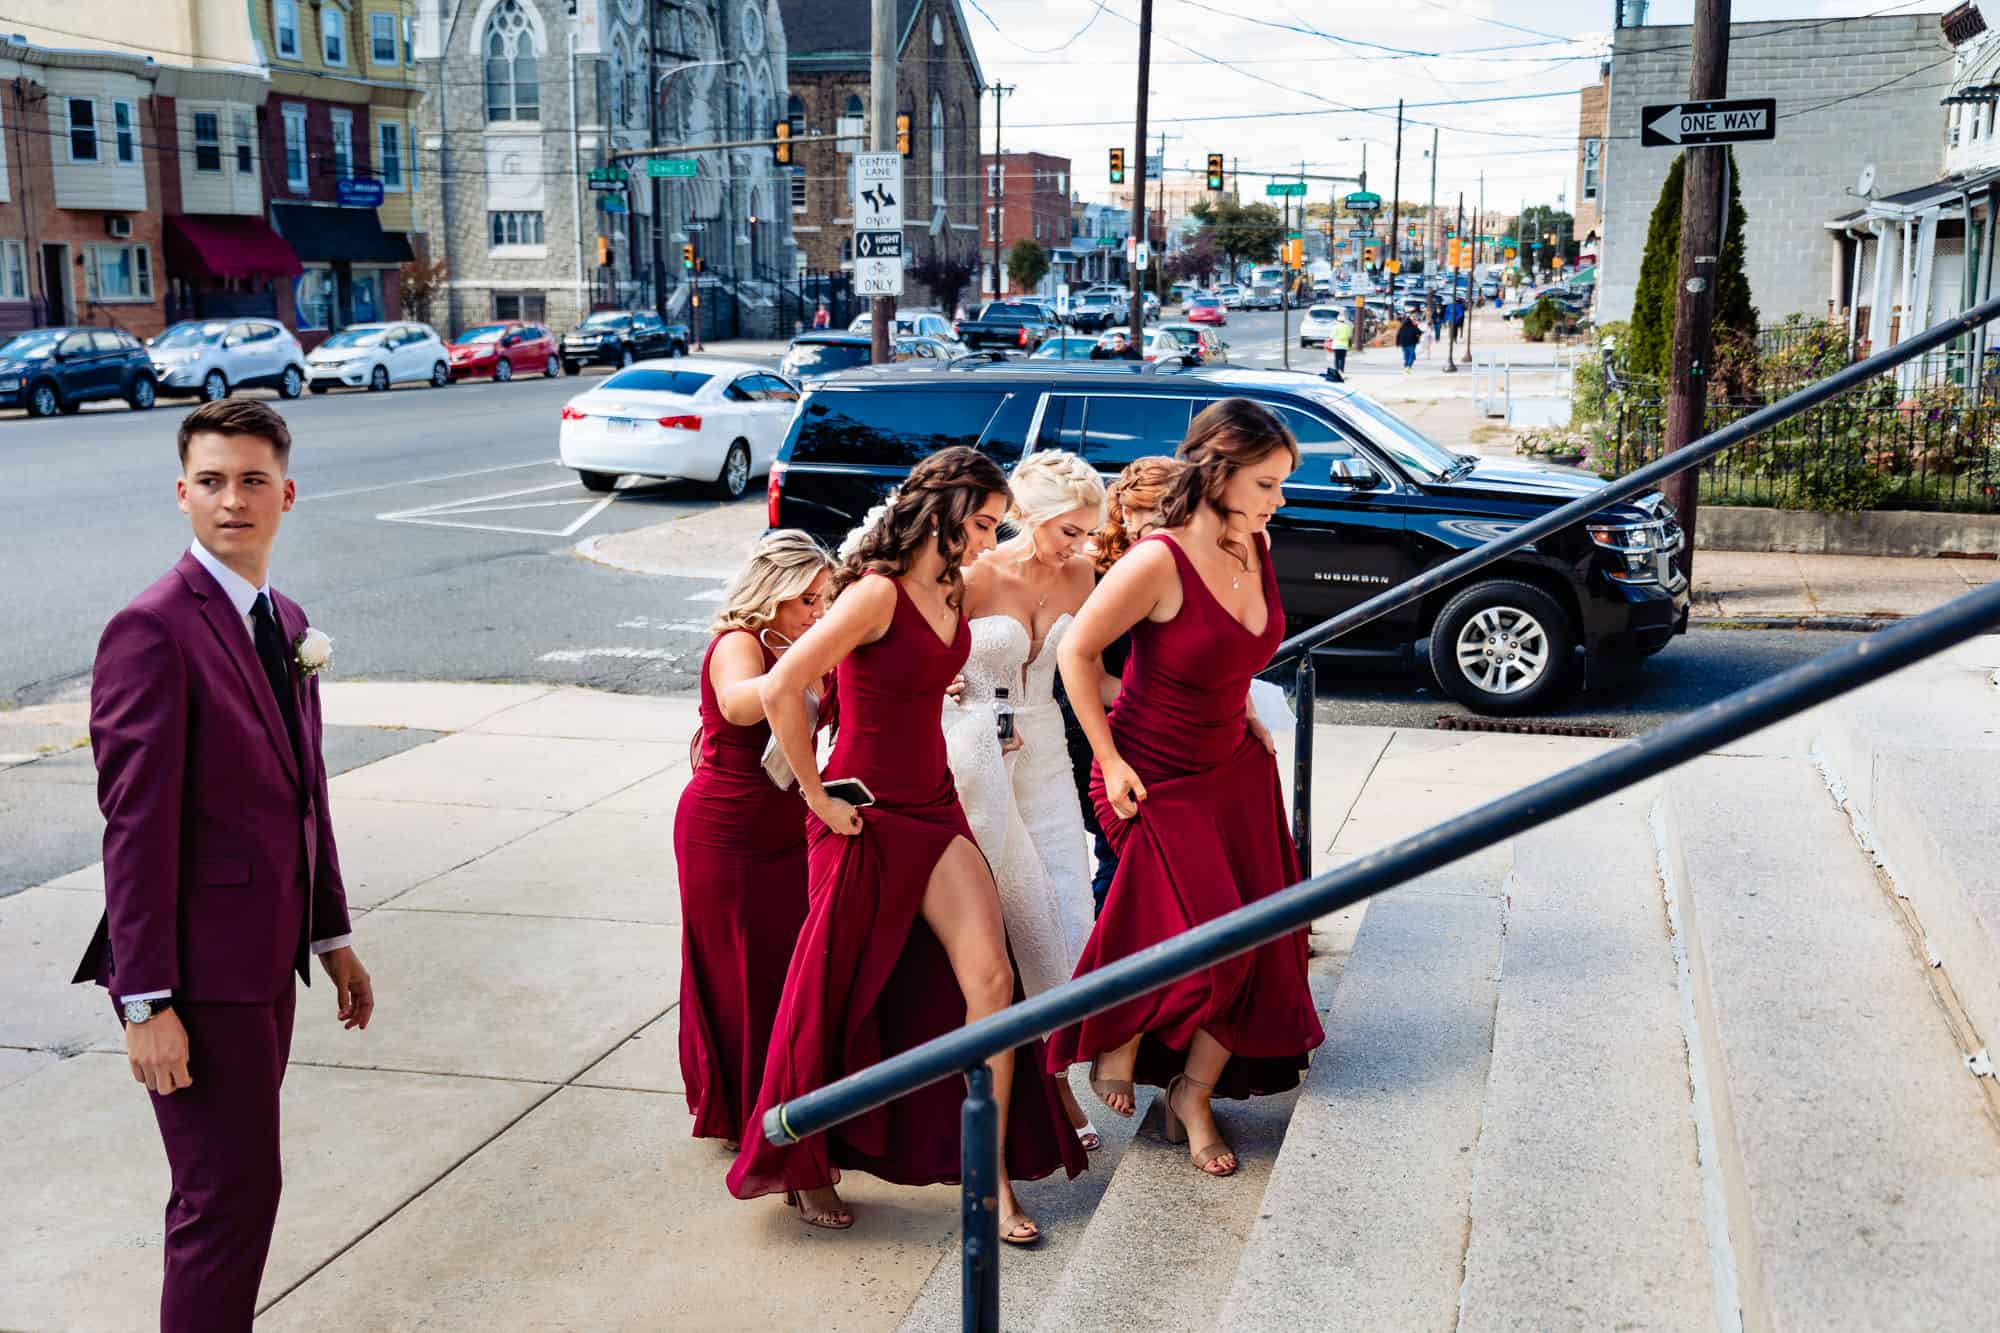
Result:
x=1472 y=279
x=1396 y=209
x=882 y=106
x=1136 y=316
x=1451 y=289
x=1430 y=219
x=1704 y=212
x=999 y=184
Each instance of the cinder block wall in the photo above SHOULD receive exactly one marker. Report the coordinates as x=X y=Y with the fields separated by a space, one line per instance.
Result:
x=1883 y=78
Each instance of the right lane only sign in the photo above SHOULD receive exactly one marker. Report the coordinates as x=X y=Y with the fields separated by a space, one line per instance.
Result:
x=1697 y=124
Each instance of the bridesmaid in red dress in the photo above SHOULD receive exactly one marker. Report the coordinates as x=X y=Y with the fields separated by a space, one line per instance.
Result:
x=1186 y=789
x=740 y=841
x=903 y=939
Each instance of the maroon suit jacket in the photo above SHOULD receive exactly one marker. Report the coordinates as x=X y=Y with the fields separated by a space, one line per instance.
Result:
x=219 y=863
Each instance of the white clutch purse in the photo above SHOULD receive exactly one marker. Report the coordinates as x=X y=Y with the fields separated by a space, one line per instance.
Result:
x=776 y=766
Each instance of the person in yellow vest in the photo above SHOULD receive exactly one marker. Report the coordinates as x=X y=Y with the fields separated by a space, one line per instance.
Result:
x=1337 y=344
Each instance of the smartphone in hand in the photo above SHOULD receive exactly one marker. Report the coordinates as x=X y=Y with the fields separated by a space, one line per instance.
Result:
x=851 y=790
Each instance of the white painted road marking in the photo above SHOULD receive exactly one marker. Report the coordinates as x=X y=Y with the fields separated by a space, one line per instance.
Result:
x=629 y=654
x=424 y=481
x=443 y=515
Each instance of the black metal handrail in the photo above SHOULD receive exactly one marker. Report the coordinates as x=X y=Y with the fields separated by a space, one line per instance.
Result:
x=964 y=1052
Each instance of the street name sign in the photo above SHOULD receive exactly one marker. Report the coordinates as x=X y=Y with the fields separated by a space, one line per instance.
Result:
x=1280 y=188
x=1362 y=201
x=1695 y=124
x=878 y=245
x=878 y=192
x=670 y=167
x=607 y=178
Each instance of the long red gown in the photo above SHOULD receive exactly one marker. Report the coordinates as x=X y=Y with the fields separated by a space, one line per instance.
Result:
x=869 y=980
x=1209 y=838
x=740 y=844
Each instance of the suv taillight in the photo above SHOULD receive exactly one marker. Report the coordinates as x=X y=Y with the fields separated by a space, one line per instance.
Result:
x=774 y=495
x=1022 y=340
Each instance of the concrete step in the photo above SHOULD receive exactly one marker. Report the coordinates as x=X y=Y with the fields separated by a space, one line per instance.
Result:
x=1860 y=1161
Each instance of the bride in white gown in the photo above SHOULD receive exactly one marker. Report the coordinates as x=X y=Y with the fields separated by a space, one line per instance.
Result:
x=1020 y=799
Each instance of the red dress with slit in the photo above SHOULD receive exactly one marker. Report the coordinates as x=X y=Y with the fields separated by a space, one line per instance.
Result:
x=1209 y=838
x=740 y=844
x=868 y=979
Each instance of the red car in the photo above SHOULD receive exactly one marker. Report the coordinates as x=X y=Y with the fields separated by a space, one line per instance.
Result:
x=502 y=349
x=1206 y=310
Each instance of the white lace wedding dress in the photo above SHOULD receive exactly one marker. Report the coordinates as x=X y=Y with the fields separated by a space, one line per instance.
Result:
x=1023 y=806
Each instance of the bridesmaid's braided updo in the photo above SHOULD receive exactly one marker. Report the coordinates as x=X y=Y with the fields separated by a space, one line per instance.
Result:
x=934 y=504
x=1223 y=439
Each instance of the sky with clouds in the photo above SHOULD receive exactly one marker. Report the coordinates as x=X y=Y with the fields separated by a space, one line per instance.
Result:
x=1497 y=79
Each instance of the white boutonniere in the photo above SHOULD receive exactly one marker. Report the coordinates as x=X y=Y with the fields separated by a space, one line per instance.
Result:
x=312 y=651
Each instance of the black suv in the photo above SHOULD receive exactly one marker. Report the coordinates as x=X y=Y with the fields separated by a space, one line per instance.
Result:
x=1372 y=504
x=620 y=337
x=59 y=370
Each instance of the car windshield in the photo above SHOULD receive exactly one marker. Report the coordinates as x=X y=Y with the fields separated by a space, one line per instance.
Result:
x=1396 y=437
x=823 y=358
x=1208 y=301
x=34 y=346
x=192 y=335
x=645 y=379
x=485 y=333
x=606 y=319
x=1064 y=349
x=355 y=338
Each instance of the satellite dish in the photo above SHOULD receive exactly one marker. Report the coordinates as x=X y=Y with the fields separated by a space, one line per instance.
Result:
x=1864 y=185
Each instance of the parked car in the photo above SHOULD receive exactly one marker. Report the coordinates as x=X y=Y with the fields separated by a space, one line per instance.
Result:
x=210 y=357
x=1096 y=310
x=1214 y=351
x=708 y=420
x=1319 y=324
x=1373 y=504
x=1207 y=310
x=59 y=370
x=911 y=324
x=502 y=349
x=1022 y=324
x=620 y=337
x=1065 y=348
x=814 y=356
x=1172 y=345
x=375 y=356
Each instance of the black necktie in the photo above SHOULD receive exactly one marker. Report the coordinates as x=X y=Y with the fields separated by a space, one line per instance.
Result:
x=271 y=651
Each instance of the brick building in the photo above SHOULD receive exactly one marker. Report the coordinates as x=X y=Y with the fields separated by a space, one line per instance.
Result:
x=80 y=229
x=1033 y=204
x=1849 y=91
x=938 y=85
x=1593 y=103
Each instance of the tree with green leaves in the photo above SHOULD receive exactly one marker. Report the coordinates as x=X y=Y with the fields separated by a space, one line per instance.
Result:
x=1027 y=265
x=1242 y=231
x=1649 y=351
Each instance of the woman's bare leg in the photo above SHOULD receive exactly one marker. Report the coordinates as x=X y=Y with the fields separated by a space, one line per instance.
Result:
x=1206 y=1060
x=962 y=908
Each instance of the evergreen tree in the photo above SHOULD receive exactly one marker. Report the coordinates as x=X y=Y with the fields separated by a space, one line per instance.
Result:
x=1649 y=348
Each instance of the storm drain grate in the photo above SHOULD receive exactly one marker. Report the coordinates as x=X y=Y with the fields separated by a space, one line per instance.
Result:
x=1514 y=728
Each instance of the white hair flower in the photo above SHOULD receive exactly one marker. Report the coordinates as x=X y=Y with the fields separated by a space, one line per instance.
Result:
x=873 y=519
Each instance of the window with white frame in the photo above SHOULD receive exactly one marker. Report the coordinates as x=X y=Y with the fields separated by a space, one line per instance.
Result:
x=795 y=116
x=13 y=271
x=82 y=130
x=937 y=139
x=118 y=273
x=798 y=189
x=410 y=39
x=297 y=178
x=389 y=154
x=513 y=87
x=1593 y=150
x=125 y=128
x=852 y=127
x=382 y=38
x=285 y=22
x=514 y=227
x=246 y=141
x=207 y=141
x=333 y=33
x=343 y=145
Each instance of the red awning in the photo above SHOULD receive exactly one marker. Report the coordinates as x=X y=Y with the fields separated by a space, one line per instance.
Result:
x=228 y=247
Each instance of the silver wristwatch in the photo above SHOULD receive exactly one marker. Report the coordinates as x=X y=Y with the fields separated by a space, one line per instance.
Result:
x=138 y=1011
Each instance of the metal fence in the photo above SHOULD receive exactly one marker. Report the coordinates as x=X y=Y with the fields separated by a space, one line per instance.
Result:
x=1842 y=455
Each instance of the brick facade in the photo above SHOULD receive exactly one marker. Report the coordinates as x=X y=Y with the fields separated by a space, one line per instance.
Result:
x=1850 y=92
x=1034 y=206
x=1592 y=152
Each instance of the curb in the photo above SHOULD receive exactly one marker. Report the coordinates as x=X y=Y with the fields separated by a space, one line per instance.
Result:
x=1848 y=624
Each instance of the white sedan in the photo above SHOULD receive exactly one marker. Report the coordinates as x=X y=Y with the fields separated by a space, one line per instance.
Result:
x=700 y=419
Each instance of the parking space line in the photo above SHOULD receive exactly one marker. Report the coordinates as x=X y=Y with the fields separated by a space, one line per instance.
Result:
x=421 y=481
x=444 y=506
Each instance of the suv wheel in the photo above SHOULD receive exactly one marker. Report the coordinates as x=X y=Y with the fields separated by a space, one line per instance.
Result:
x=378 y=379
x=43 y=400
x=214 y=386
x=625 y=357
x=291 y=384
x=142 y=394
x=1501 y=646
x=735 y=476
x=570 y=368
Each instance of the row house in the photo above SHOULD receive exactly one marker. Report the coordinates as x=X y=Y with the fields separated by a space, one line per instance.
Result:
x=938 y=87
x=1023 y=197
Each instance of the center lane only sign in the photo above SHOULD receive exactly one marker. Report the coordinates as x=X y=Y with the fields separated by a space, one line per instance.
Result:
x=1696 y=124
x=878 y=224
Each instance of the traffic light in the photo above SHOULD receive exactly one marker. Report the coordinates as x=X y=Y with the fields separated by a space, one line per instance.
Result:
x=1118 y=166
x=687 y=257
x=604 y=252
x=903 y=133
x=781 y=151
x=1372 y=252
x=1453 y=255
x=1215 y=171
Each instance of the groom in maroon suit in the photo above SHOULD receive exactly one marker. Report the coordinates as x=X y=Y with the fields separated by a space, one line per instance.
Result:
x=220 y=877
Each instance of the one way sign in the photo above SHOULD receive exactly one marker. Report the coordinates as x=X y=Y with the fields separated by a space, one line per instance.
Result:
x=1693 y=124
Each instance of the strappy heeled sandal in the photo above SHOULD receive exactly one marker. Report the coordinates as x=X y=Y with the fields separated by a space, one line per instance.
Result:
x=1176 y=1131
x=830 y=1221
x=1087 y=1135
x=1008 y=1232
x=1106 y=1088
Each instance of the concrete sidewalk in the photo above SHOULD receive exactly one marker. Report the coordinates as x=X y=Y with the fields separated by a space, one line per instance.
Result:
x=1780 y=589
x=506 y=1147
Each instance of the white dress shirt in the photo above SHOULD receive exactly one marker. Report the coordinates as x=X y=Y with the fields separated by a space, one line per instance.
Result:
x=243 y=596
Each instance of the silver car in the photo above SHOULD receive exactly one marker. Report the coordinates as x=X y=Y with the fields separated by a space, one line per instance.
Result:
x=210 y=358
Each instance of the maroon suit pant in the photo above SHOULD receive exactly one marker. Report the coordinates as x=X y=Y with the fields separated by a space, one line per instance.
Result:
x=221 y=1137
